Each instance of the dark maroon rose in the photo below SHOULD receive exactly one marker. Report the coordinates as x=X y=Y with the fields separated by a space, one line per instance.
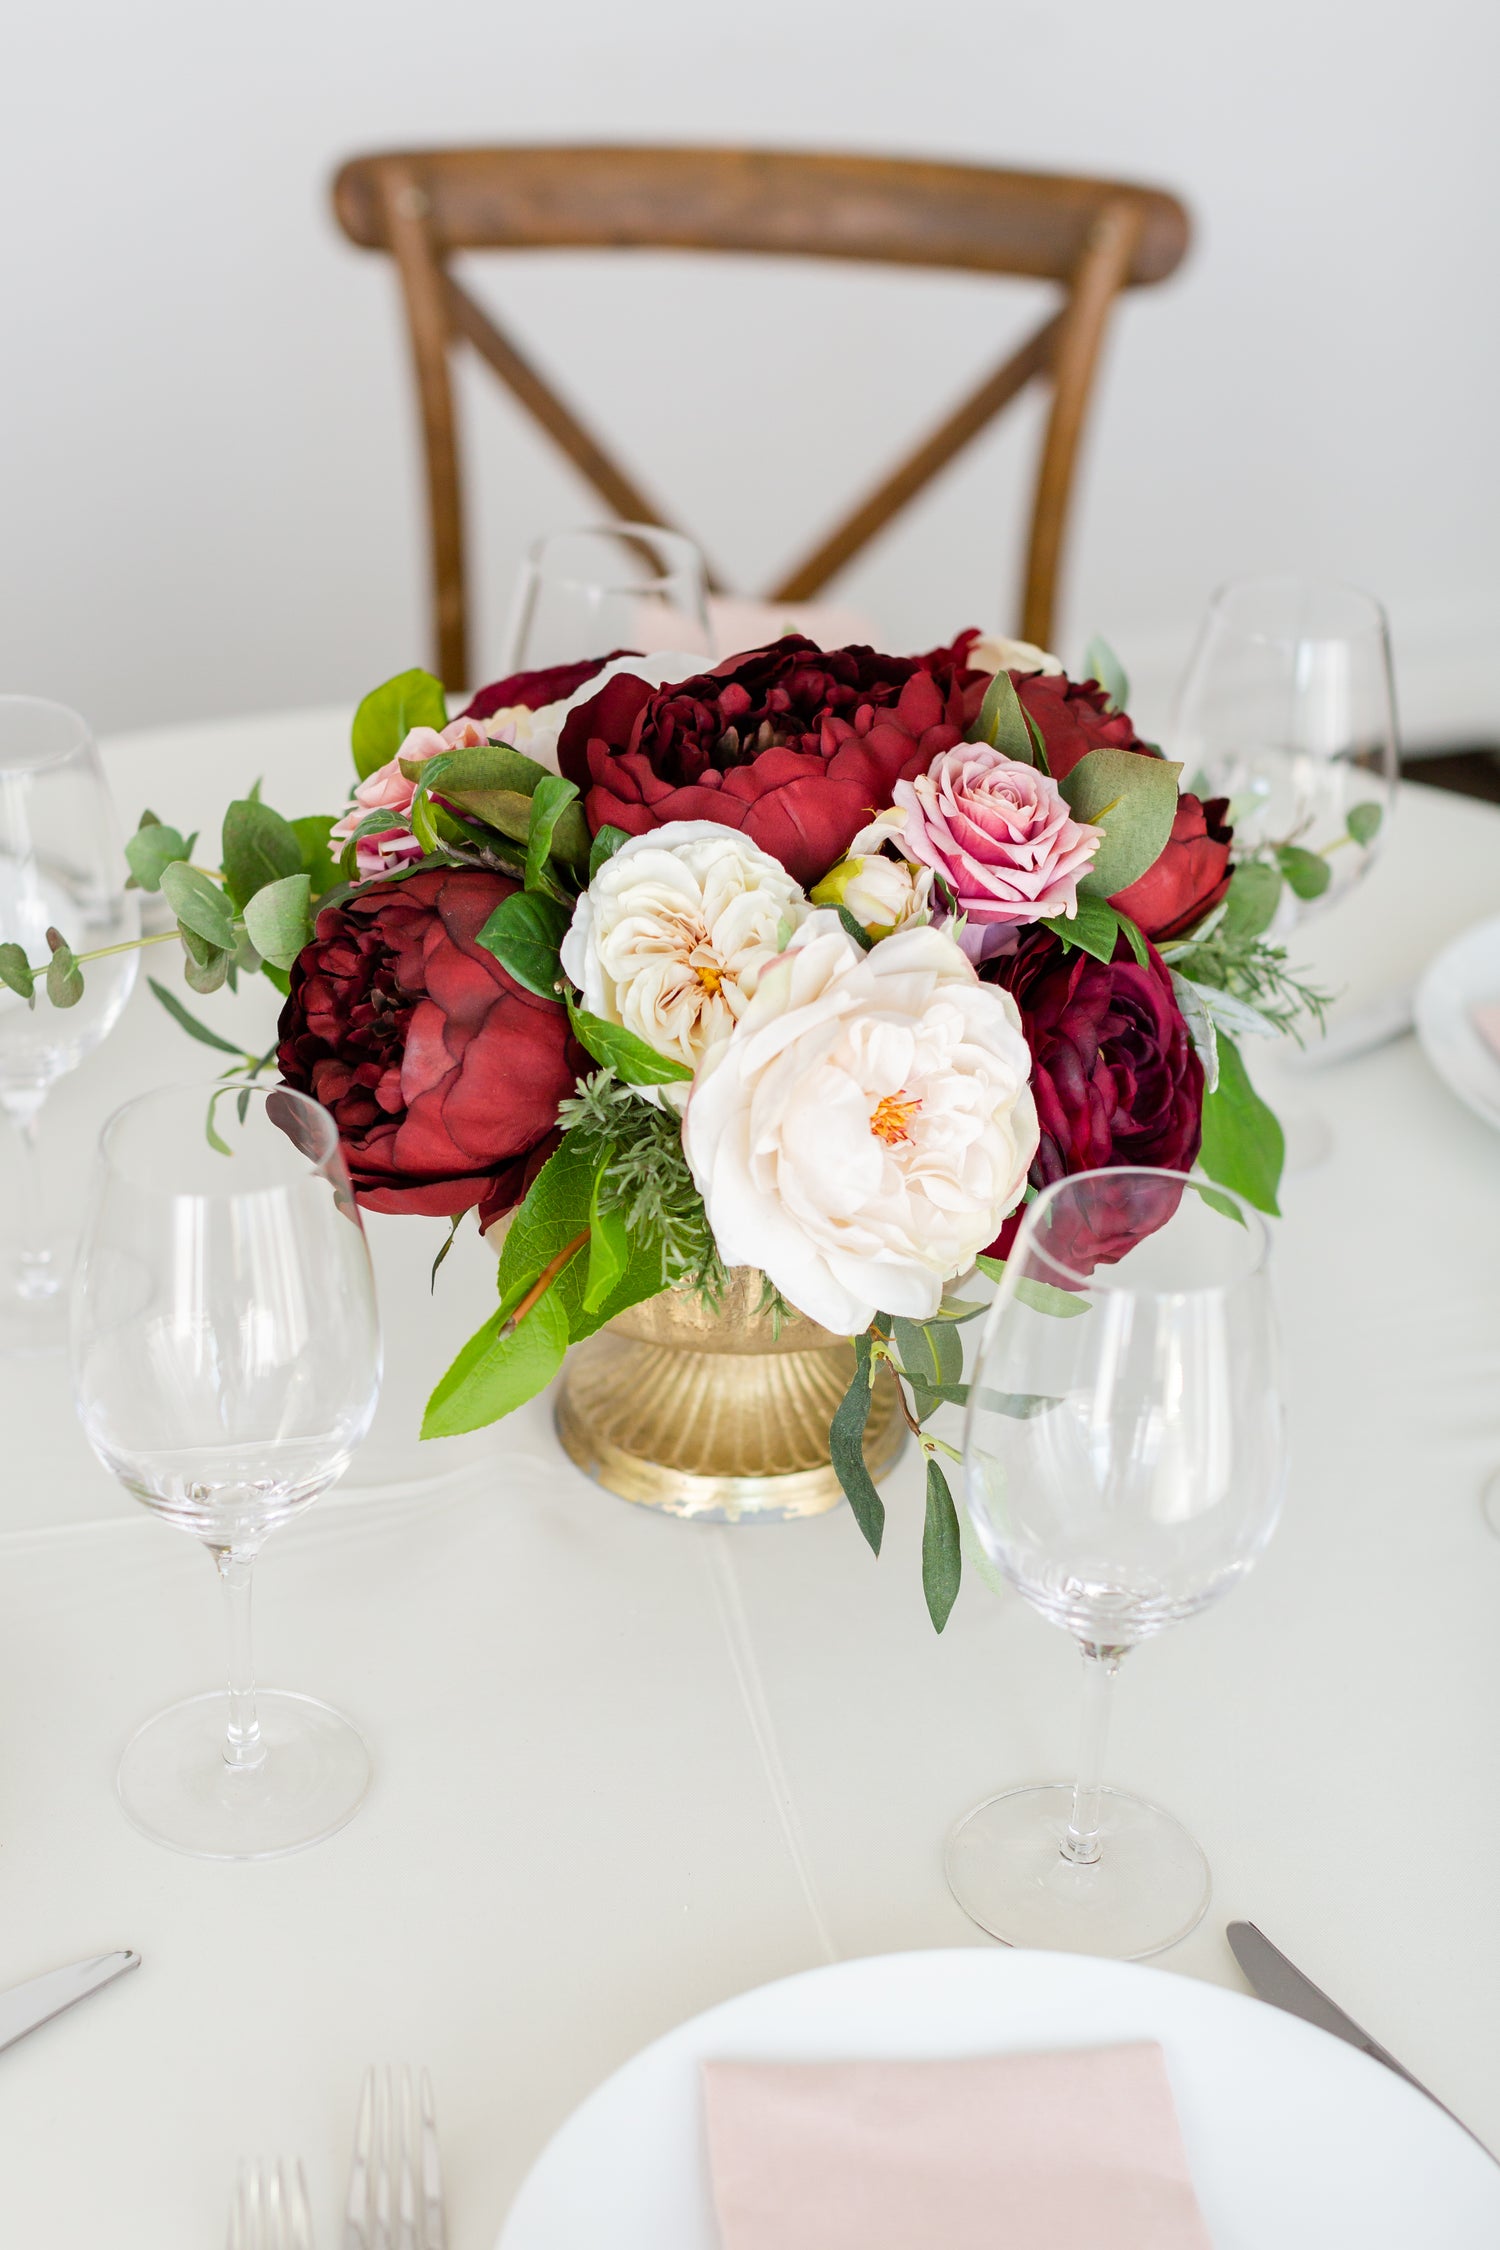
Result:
x=441 y=1073
x=532 y=690
x=794 y=745
x=1115 y=1076
x=1189 y=878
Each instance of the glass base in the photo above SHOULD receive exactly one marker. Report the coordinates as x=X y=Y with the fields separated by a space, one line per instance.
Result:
x=177 y=1789
x=1005 y=1865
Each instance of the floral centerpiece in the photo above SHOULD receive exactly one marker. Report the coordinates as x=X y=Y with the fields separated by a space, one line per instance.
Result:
x=818 y=962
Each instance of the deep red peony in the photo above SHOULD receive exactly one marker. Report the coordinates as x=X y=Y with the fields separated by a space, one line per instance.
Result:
x=1189 y=878
x=533 y=690
x=442 y=1075
x=1075 y=718
x=1114 y=1073
x=794 y=745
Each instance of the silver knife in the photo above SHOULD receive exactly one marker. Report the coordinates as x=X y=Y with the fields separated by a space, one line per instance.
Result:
x=26 y=2006
x=1282 y=1983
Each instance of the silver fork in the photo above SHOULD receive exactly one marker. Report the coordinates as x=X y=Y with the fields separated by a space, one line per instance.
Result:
x=270 y=2209
x=395 y=2181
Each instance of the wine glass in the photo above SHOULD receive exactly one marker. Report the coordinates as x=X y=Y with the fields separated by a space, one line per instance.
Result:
x=62 y=868
x=1288 y=709
x=605 y=587
x=1123 y=1458
x=226 y=1359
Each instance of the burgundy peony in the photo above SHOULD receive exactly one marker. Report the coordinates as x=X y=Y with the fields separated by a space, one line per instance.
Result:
x=1115 y=1076
x=1189 y=878
x=794 y=745
x=1074 y=718
x=533 y=691
x=442 y=1074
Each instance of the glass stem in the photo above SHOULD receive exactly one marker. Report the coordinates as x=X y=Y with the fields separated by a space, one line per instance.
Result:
x=37 y=1276
x=1081 y=1842
x=244 y=1747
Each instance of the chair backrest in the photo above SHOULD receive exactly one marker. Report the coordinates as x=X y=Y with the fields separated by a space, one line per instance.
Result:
x=1094 y=237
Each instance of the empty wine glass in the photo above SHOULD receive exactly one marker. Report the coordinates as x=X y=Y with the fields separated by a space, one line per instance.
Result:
x=1123 y=1458
x=606 y=587
x=61 y=867
x=1288 y=709
x=226 y=1360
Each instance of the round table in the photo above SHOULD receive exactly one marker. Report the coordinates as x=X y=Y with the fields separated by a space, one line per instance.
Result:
x=627 y=1766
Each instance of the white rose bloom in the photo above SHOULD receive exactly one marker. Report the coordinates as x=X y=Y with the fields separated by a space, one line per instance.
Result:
x=992 y=652
x=672 y=935
x=867 y=1125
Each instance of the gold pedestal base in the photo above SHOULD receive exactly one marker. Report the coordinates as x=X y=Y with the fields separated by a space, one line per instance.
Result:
x=713 y=1415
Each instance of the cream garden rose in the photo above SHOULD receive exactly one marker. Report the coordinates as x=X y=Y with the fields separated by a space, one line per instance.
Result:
x=994 y=652
x=866 y=1126
x=672 y=935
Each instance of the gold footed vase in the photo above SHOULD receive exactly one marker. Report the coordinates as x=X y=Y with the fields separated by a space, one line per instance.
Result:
x=715 y=1415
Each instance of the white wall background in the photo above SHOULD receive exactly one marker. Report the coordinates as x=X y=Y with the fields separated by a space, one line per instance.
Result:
x=209 y=496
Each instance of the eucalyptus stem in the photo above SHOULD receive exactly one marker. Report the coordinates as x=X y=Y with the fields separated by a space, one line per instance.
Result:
x=127 y=945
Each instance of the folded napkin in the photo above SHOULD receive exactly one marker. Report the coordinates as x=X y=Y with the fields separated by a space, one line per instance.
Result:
x=1063 y=2151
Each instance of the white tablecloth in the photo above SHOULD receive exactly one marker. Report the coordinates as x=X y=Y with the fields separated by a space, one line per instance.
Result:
x=627 y=1766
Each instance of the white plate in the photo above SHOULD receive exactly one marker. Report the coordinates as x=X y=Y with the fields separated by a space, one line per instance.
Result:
x=1464 y=975
x=1297 y=2142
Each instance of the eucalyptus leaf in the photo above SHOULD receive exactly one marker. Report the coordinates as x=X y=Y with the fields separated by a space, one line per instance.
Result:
x=206 y=968
x=1243 y=1146
x=942 y=1549
x=1001 y=722
x=312 y=831
x=388 y=713
x=258 y=847
x=1101 y=663
x=278 y=921
x=64 y=977
x=846 y=1443
x=932 y=1353
x=524 y=933
x=1192 y=1002
x=1308 y=874
x=1133 y=799
x=621 y=1051
x=16 y=972
x=1039 y=1296
x=1254 y=895
x=151 y=849
x=199 y=904
x=1363 y=822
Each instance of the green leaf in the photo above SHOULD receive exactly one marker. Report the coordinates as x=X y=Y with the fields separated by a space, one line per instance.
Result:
x=190 y=1024
x=258 y=848
x=198 y=904
x=609 y=1248
x=278 y=921
x=152 y=848
x=942 y=1550
x=549 y=801
x=1254 y=895
x=846 y=1442
x=206 y=966
x=604 y=847
x=211 y=1131
x=1101 y=663
x=423 y=821
x=524 y=933
x=1040 y=1296
x=319 y=865
x=494 y=1374
x=856 y=929
x=621 y=1051
x=1308 y=874
x=16 y=972
x=1131 y=797
x=1134 y=938
x=388 y=713
x=1093 y=929
x=1364 y=822
x=1243 y=1146
x=931 y=1352
x=1001 y=722
x=557 y=1209
x=64 y=977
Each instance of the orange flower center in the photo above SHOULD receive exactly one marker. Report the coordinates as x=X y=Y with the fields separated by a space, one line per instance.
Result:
x=708 y=976
x=891 y=1116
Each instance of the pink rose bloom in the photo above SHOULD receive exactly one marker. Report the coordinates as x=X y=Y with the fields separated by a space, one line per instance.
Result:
x=1001 y=837
x=388 y=789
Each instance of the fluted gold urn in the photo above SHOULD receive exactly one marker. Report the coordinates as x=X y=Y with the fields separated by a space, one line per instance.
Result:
x=717 y=1415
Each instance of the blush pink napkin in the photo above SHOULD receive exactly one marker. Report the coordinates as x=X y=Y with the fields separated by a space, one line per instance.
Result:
x=1063 y=2151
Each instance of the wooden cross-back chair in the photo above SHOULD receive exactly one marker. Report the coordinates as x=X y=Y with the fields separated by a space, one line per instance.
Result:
x=1094 y=237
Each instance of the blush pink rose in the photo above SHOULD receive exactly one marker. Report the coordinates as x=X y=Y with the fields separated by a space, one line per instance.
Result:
x=1001 y=837
x=388 y=789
